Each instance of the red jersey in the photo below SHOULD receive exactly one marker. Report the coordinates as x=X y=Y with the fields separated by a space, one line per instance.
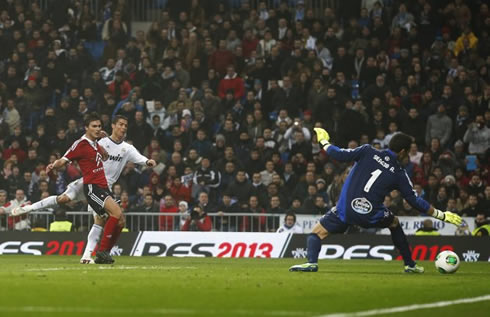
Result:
x=89 y=157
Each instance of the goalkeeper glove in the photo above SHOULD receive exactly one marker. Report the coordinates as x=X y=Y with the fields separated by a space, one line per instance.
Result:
x=447 y=216
x=322 y=137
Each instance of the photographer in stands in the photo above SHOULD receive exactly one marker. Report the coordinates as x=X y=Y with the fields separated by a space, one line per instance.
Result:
x=198 y=220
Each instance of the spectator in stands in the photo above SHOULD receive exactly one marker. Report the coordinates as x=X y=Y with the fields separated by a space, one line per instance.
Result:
x=108 y=72
x=141 y=223
x=198 y=220
x=478 y=136
x=139 y=132
x=205 y=178
x=221 y=59
x=19 y=222
x=291 y=133
x=439 y=126
x=231 y=83
x=290 y=225
x=120 y=87
x=466 y=42
x=427 y=229
x=11 y=116
x=227 y=206
x=403 y=19
x=166 y=223
x=202 y=144
x=3 y=203
x=476 y=186
x=485 y=204
x=266 y=175
x=473 y=206
x=241 y=189
x=482 y=225
x=254 y=223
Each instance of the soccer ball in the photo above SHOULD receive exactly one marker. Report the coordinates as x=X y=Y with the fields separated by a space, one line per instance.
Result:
x=447 y=262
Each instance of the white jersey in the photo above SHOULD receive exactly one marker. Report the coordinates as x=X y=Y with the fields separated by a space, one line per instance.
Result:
x=119 y=155
x=296 y=228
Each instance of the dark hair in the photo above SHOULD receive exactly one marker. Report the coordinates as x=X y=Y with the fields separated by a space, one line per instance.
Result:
x=119 y=117
x=93 y=116
x=400 y=141
x=289 y=214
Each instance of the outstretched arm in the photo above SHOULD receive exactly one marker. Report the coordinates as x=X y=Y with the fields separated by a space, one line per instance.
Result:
x=343 y=155
x=56 y=164
x=423 y=206
x=137 y=158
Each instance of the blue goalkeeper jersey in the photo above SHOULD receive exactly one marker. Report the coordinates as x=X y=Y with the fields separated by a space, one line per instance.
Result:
x=372 y=177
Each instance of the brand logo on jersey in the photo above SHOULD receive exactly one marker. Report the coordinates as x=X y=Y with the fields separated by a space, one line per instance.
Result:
x=361 y=205
x=117 y=158
x=98 y=159
x=387 y=158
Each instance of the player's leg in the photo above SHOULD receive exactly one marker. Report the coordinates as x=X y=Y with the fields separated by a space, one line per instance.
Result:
x=401 y=243
x=314 y=242
x=73 y=190
x=93 y=238
x=314 y=245
x=112 y=230
x=102 y=203
x=117 y=233
x=47 y=202
x=329 y=223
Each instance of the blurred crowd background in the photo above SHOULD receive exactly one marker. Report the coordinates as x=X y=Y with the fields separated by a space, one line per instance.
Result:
x=224 y=96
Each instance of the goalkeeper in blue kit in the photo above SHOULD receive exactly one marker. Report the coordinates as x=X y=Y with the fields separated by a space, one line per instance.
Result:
x=373 y=176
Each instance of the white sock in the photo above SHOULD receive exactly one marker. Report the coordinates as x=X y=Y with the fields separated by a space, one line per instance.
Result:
x=92 y=239
x=45 y=203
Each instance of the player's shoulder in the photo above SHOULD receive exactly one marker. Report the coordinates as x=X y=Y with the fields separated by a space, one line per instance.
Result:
x=131 y=147
x=104 y=140
x=365 y=149
x=108 y=141
x=81 y=141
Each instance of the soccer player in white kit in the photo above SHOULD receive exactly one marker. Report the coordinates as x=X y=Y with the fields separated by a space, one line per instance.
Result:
x=120 y=153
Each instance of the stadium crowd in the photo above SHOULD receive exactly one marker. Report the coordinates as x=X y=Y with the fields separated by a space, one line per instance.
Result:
x=224 y=96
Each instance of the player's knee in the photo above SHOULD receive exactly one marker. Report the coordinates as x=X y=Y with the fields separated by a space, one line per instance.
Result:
x=63 y=199
x=395 y=223
x=320 y=231
x=99 y=221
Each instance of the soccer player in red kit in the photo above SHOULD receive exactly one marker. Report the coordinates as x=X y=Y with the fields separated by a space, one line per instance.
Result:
x=90 y=155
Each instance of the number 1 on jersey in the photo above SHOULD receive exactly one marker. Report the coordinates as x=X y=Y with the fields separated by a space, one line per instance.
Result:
x=372 y=179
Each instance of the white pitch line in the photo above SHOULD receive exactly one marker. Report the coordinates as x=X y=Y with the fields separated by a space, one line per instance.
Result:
x=157 y=311
x=401 y=309
x=85 y=267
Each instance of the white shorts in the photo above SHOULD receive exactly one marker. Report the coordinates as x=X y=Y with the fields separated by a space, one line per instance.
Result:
x=74 y=191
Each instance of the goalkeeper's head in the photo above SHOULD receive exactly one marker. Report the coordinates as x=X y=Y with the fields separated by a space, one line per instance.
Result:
x=400 y=144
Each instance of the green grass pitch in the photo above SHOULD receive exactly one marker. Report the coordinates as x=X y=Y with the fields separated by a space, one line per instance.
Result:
x=150 y=286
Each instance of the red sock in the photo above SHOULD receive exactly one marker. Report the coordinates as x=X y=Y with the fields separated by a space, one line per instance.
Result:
x=115 y=236
x=109 y=231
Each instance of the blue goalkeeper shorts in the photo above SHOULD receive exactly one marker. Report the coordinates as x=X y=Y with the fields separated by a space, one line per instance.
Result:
x=334 y=224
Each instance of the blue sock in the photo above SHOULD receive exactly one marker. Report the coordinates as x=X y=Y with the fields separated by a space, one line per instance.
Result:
x=314 y=244
x=400 y=241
